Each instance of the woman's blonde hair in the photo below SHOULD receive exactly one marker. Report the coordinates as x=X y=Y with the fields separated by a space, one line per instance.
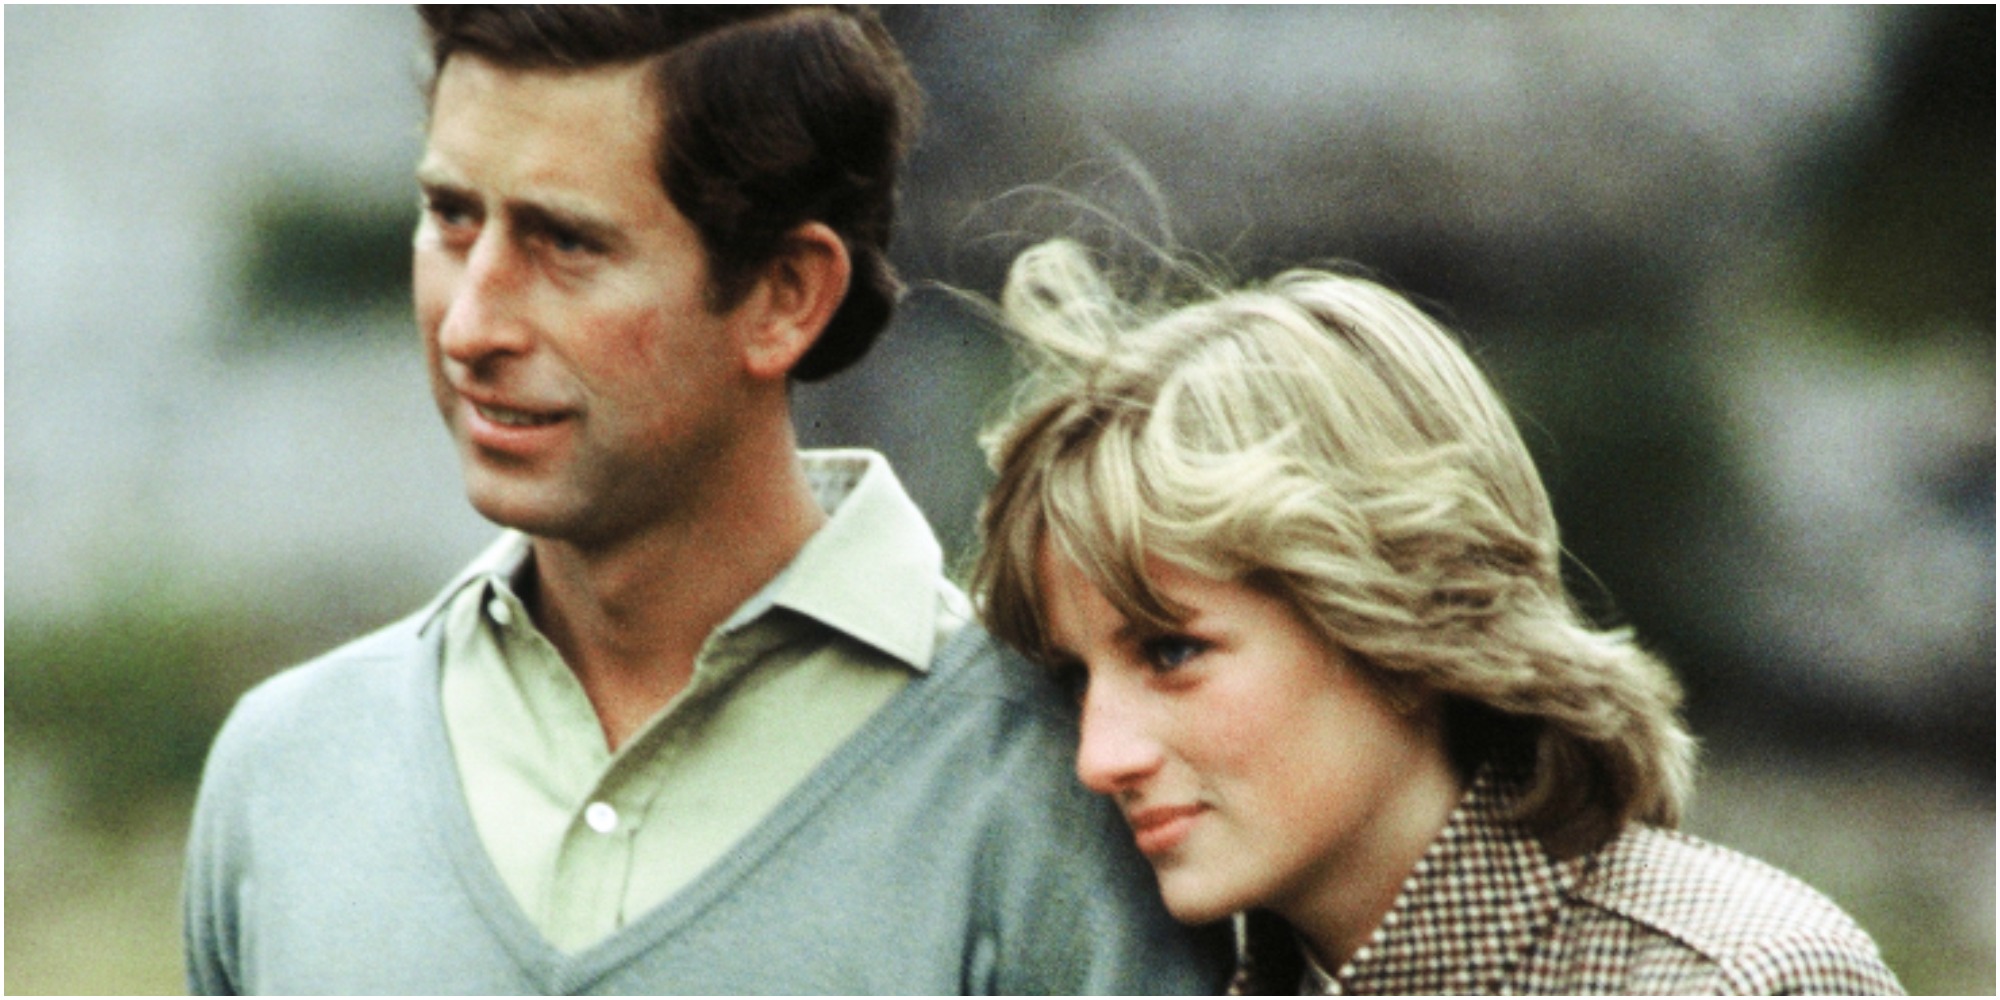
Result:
x=1320 y=438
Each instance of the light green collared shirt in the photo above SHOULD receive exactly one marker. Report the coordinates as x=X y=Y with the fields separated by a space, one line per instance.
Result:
x=587 y=839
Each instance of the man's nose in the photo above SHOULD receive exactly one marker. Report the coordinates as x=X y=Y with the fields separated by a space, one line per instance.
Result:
x=1115 y=751
x=486 y=312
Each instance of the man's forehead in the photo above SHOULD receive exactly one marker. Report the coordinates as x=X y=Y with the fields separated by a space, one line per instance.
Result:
x=568 y=141
x=620 y=96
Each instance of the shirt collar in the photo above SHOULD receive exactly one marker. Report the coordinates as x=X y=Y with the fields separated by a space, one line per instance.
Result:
x=503 y=561
x=874 y=571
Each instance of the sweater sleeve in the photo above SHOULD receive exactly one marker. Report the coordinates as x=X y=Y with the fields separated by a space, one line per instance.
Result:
x=208 y=910
x=204 y=922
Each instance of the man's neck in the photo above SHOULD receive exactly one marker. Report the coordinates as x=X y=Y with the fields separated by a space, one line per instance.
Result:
x=630 y=618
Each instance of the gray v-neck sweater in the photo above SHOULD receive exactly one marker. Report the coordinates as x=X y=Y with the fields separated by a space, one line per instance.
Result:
x=945 y=848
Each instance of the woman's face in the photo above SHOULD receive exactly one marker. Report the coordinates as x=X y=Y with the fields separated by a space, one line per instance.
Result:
x=1255 y=764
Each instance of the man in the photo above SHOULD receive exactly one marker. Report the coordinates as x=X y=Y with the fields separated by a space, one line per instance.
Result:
x=708 y=718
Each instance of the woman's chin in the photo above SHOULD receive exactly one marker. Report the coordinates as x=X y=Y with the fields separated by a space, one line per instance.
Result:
x=1194 y=902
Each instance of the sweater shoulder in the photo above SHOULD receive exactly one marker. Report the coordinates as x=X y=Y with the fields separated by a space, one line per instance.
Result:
x=974 y=664
x=354 y=686
x=993 y=710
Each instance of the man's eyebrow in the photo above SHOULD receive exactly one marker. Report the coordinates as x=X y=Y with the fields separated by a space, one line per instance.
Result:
x=432 y=177
x=541 y=217
x=586 y=226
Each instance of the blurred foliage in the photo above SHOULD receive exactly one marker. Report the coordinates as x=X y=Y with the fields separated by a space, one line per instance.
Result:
x=1906 y=246
x=316 y=254
x=128 y=699
x=1598 y=406
x=1923 y=891
x=1931 y=957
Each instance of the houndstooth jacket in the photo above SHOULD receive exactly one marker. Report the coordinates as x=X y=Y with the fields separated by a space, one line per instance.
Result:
x=1488 y=911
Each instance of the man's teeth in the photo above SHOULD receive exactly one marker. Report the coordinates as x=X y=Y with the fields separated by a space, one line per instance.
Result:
x=513 y=418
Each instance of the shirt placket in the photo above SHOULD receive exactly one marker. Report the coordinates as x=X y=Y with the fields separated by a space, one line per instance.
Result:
x=594 y=865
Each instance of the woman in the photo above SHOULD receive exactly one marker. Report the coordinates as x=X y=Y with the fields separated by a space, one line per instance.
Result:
x=1289 y=545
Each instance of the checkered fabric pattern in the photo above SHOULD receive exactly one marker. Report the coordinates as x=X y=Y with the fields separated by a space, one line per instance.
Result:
x=1487 y=911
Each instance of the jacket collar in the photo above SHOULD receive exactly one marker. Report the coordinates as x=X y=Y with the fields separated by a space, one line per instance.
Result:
x=1467 y=915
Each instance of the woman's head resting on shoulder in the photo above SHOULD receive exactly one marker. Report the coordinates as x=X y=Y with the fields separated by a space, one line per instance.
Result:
x=1321 y=442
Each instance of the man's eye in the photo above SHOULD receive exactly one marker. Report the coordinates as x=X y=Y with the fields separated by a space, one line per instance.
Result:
x=569 y=243
x=1170 y=652
x=449 y=214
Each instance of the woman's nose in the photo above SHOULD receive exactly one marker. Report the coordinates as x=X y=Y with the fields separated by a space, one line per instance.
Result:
x=1114 y=751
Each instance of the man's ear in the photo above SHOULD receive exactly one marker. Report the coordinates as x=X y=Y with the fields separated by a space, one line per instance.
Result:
x=802 y=287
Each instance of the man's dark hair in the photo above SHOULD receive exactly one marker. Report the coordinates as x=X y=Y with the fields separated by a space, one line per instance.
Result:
x=771 y=117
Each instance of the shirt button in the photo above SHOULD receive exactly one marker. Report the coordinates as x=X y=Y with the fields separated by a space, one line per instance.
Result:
x=601 y=817
x=501 y=613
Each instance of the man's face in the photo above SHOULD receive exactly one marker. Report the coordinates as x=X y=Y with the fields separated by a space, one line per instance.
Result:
x=563 y=304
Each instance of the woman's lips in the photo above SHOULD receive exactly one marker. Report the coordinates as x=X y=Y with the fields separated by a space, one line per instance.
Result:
x=1160 y=829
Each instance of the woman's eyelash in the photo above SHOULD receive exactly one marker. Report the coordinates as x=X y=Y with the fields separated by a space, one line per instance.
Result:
x=1169 y=652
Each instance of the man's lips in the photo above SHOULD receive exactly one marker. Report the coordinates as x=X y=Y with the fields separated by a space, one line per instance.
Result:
x=1160 y=829
x=509 y=426
x=513 y=417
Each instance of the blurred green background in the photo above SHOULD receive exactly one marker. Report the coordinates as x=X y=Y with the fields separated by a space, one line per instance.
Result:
x=1733 y=268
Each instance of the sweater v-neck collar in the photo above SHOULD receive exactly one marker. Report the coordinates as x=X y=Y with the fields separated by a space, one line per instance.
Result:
x=566 y=972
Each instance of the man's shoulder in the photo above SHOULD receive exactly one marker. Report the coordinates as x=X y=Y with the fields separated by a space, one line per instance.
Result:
x=348 y=685
x=982 y=671
x=349 y=662
x=985 y=725
x=1763 y=929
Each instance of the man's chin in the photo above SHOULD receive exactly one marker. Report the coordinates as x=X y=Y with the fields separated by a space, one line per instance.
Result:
x=509 y=508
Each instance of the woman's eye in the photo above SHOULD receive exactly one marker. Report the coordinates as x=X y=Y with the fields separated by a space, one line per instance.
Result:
x=1169 y=652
